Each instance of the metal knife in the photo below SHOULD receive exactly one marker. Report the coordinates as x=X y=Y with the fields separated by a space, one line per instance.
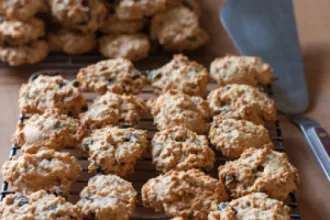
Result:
x=268 y=29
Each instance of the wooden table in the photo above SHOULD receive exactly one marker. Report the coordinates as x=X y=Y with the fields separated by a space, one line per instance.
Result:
x=313 y=20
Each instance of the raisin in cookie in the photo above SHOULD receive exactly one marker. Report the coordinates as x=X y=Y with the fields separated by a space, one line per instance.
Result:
x=71 y=42
x=117 y=75
x=129 y=46
x=49 y=170
x=30 y=53
x=175 y=108
x=182 y=74
x=231 y=97
x=113 y=25
x=84 y=15
x=20 y=9
x=166 y=26
x=241 y=70
x=114 y=109
x=183 y=193
x=52 y=130
x=107 y=197
x=16 y=33
x=181 y=149
x=47 y=92
x=38 y=205
x=260 y=170
x=251 y=207
x=134 y=10
x=232 y=137
x=114 y=150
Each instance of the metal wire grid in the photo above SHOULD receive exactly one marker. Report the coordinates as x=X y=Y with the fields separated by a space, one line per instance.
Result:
x=144 y=169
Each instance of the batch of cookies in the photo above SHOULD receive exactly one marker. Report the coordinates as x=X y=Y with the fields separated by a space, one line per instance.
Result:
x=29 y=29
x=192 y=124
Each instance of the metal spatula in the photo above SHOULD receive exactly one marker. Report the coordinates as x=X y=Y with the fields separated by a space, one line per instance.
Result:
x=267 y=29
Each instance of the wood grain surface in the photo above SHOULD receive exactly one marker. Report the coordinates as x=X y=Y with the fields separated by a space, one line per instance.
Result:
x=313 y=19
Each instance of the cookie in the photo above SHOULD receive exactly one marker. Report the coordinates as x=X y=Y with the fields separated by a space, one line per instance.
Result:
x=231 y=137
x=114 y=109
x=193 y=5
x=52 y=130
x=181 y=74
x=241 y=70
x=235 y=96
x=48 y=170
x=113 y=25
x=20 y=9
x=165 y=27
x=38 y=205
x=183 y=193
x=29 y=53
x=83 y=15
x=71 y=42
x=117 y=75
x=15 y=33
x=260 y=170
x=253 y=206
x=107 y=197
x=129 y=46
x=48 y=92
x=113 y=150
x=135 y=10
x=175 y=108
x=181 y=149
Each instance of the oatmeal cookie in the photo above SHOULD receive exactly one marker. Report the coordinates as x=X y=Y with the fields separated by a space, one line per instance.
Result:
x=232 y=97
x=71 y=42
x=183 y=193
x=241 y=70
x=182 y=74
x=134 y=10
x=114 y=109
x=47 y=92
x=117 y=75
x=175 y=108
x=29 y=53
x=232 y=137
x=83 y=15
x=49 y=170
x=113 y=25
x=114 y=150
x=260 y=170
x=20 y=9
x=178 y=29
x=15 y=33
x=181 y=149
x=129 y=46
x=107 y=197
x=38 y=205
x=52 y=130
x=251 y=207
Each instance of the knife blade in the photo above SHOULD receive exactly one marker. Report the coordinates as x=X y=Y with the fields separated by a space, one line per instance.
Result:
x=267 y=29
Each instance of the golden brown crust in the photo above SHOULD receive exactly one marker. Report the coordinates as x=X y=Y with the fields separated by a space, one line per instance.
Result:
x=175 y=108
x=47 y=169
x=181 y=149
x=231 y=137
x=260 y=170
x=117 y=75
x=114 y=109
x=240 y=70
x=51 y=130
x=181 y=74
x=113 y=25
x=183 y=193
x=107 y=197
x=48 y=92
x=20 y=9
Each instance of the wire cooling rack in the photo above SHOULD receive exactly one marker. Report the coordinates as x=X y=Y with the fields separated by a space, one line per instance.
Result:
x=144 y=169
